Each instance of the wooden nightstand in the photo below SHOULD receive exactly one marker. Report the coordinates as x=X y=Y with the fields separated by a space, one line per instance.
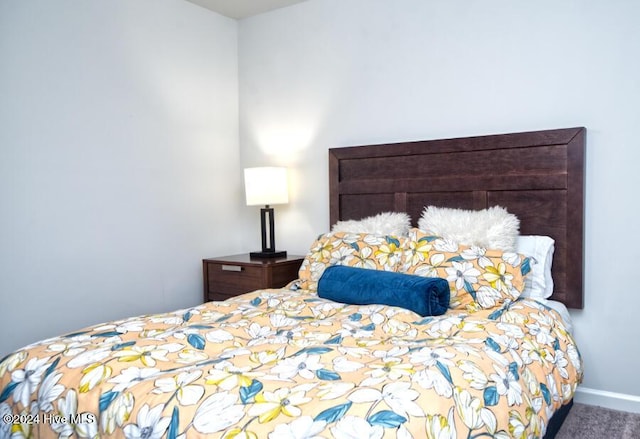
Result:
x=229 y=276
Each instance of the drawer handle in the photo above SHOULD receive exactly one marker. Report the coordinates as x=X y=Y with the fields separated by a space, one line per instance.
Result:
x=231 y=268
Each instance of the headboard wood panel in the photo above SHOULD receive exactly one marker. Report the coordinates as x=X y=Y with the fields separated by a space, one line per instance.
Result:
x=539 y=176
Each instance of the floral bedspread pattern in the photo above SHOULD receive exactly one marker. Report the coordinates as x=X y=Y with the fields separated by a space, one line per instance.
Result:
x=286 y=364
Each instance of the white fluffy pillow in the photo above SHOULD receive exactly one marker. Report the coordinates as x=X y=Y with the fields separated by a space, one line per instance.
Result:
x=539 y=283
x=493 y=228
x=385 y=223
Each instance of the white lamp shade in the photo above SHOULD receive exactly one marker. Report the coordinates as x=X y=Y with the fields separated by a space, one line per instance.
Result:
x=266 y=185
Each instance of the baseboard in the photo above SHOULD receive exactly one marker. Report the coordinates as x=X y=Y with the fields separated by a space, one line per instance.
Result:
x=610 y=400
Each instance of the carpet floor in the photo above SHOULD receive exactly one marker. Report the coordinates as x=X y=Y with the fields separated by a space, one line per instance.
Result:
x=591 y=422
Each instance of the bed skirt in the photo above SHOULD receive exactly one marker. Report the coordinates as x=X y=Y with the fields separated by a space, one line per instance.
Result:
x=557 y=419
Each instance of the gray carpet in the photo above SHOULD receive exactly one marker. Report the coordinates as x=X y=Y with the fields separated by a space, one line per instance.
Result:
x=591 y=422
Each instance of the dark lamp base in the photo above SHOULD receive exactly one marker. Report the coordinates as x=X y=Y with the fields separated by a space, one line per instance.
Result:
x=268 y=254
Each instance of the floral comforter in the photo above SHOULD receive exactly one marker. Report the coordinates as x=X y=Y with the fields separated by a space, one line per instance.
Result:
x=288 y=364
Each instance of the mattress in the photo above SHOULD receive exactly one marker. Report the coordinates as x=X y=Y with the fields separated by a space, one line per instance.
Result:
x=285 y=363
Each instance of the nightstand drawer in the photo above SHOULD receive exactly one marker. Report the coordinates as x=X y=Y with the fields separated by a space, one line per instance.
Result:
x=229 y=276
x=282 y=274
x=232 y=279
x=219 y=297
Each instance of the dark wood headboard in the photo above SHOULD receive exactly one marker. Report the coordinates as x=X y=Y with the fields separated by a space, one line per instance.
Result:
x=539 y=176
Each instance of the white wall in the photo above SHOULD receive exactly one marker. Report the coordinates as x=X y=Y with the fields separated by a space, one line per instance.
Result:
x=119 y=163
x=328 y=73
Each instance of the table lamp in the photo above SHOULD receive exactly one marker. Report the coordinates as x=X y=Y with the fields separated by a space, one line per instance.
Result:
x=266 y=186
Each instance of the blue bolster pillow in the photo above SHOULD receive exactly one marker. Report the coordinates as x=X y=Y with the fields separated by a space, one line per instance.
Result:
x=427 y=296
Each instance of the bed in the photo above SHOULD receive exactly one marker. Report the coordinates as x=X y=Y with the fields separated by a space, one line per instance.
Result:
x=288 y=363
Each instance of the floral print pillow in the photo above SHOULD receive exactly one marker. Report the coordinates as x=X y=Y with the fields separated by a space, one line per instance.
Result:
x=478 y=277
x=363 y=250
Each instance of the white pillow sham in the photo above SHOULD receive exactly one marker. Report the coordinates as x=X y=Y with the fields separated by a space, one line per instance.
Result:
x=493 y=228
x=385 y=223
x=539 y=283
